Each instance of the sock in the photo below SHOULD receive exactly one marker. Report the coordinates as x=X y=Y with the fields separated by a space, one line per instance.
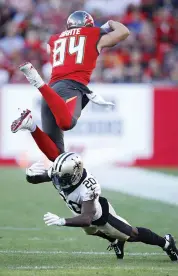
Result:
x=61 y=110
x=33 y=127
x=147 y=236
x=104 y=236
x=45 y=144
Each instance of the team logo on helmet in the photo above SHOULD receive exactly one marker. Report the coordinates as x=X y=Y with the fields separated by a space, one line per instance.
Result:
x=67 y=171
x=88 y=20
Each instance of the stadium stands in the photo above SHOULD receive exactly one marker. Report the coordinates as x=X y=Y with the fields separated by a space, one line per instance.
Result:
x=150 y=53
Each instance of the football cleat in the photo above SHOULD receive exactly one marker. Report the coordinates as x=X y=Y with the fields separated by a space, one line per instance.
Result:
x=170 y=248
x=118 y=247
x=24 y=122
x=31 y=74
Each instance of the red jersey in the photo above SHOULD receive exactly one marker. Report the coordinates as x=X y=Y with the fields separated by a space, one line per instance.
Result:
x=73 y=54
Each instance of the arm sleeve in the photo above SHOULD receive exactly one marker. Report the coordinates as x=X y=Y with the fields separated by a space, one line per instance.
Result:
x=102 y=32
x=105 y=28
x=36 y=179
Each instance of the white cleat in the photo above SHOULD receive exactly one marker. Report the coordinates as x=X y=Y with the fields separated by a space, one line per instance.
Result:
x=31 y=74
x=24 y=122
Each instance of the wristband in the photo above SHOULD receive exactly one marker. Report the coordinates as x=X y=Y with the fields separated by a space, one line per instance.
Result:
x=62 y=221
x=106 y=27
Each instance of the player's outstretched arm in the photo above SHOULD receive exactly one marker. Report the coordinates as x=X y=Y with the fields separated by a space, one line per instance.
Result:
x=118 y=33
x=84 y=220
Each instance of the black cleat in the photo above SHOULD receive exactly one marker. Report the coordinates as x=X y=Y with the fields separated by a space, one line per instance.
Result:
x=171 y=249
x=118 y=248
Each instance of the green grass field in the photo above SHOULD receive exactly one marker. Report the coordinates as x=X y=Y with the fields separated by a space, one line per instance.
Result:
x=28 y=247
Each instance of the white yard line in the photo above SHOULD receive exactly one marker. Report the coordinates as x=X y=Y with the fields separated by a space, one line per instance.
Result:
x=76 y=253
x=86 y=268
x=19 y=228
x=12 y=228
x=56 y=240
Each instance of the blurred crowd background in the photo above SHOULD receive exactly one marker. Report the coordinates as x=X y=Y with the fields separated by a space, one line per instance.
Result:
x=150 y=54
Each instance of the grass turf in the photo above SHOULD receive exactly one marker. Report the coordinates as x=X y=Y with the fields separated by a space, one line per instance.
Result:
x=28 y=247
x=170 y=171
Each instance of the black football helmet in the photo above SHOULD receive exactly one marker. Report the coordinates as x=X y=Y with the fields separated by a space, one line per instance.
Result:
x=79 y=19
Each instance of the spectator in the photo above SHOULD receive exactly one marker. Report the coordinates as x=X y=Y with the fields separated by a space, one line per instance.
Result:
x=4 y=76
x=153 y=72
x=109 y=7
x=12 y=41
x=21 y=6
x=174 y=73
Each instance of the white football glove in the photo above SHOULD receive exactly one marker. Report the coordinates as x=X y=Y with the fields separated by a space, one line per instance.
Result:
x=52 y=219
x=36 y=169
x=98 y=99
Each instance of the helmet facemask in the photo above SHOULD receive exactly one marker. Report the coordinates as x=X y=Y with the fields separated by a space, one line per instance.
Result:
x=70 y=173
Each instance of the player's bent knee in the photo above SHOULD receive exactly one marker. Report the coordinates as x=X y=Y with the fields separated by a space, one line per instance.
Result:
x=90 y=230
x=68 y=126
x=133 y=235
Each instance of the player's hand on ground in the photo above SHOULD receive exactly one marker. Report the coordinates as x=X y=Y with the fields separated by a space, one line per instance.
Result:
x=52 y=219
x=36 y=169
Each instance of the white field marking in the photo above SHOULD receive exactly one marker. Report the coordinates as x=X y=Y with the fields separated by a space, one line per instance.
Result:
x=77 y=253
x=87 y=267
x=19 y=228
x=12 y=228
x=48 y=240
x=35 y=239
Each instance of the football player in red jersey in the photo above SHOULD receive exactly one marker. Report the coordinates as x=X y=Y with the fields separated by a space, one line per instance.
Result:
x=73 y=55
